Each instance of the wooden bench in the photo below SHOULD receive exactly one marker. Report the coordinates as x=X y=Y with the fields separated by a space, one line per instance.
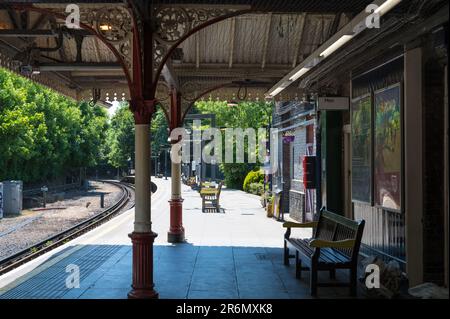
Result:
x=211 y=198
x=335 y=245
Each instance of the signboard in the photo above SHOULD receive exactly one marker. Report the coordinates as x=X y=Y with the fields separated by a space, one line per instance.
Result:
x=288 y=139
x=334 y=103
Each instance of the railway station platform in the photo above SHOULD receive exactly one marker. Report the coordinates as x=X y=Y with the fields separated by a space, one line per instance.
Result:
x=233 y=254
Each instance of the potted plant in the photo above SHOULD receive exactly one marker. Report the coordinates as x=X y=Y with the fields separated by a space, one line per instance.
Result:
x=264 y=198
x=269 y=206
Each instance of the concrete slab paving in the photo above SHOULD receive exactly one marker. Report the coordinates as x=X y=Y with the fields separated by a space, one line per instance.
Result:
x=233 y=254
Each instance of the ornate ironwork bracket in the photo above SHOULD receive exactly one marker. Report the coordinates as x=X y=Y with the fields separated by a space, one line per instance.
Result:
x=176 y=23
x=111 y=23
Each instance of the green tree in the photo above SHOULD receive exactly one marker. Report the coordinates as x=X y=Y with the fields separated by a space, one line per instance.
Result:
x=159 y=131
x=43 y=134
x=245 y=115
x=120 y=137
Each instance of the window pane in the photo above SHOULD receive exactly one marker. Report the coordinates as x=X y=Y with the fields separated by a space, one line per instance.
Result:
x=361 y=150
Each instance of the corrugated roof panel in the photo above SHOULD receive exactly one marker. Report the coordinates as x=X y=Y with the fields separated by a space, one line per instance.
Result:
x=281 y=39
x=249 y=36
x=215 y=43
x=188 y=47
x=95 y=50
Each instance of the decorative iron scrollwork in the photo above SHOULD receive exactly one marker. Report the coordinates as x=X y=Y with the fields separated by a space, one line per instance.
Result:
x=189 y=91
x=173 y=23
x=176 y=22
x=114 y=24
x=162 y=92
x=111 y=23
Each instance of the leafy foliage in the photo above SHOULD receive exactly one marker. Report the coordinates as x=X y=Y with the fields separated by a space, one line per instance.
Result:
x=256 y=188
x=43 y=134
x=159 y=131
x=253 y=177
x=245 y=115
x=119 y=147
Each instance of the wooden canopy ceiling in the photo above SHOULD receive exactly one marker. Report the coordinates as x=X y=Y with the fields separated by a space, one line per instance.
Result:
x=250 y=51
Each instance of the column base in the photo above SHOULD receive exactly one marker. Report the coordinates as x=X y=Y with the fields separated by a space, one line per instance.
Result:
x=143 y=294
x=175 y=237
x=176 y=231
x=143 y=286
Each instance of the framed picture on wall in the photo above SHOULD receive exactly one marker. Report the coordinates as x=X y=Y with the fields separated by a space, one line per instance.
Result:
x=388 y=148
x=361 y=126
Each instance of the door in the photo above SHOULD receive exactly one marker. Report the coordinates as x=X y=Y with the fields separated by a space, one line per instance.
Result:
x=348 y=212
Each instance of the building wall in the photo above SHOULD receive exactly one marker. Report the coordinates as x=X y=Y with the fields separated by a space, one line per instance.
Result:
x=433 y=150
x=286 y=185
x=297 y=195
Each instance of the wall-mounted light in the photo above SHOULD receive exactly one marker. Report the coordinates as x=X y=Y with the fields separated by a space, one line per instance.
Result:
x=105 y=27
x=29 y=70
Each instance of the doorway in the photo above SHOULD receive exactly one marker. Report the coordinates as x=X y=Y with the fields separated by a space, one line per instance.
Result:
x=348 y=212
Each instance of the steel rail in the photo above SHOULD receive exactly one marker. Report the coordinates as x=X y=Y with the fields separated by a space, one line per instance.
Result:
x=36 y=250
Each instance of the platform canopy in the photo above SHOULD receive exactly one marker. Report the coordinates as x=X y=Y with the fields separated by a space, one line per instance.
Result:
x=242 y=48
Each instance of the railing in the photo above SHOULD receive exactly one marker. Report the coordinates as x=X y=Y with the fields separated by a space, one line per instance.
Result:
x=59 y=188
x=384 y=233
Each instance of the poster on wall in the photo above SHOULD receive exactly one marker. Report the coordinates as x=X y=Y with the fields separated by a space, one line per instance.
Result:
x=387 y=148
x=361 y=149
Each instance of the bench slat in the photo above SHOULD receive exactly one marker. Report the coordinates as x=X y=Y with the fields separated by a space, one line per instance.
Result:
x=331 y=228
x=328 y=255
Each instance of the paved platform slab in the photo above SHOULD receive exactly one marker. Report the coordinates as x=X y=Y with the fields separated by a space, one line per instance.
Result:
x=233 y=254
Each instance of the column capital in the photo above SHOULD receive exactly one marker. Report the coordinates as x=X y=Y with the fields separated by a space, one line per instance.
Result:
x=143 y=109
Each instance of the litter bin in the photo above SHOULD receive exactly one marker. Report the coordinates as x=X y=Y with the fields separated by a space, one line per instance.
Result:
x=12 y=197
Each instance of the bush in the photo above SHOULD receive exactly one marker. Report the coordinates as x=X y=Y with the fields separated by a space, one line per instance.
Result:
x=234 y=173
x=254 y=176
x=256 y=188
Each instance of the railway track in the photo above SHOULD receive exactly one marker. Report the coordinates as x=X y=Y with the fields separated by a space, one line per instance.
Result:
x=25 y=255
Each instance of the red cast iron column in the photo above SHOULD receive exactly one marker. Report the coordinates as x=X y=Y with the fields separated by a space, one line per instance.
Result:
x=142 y=237
x=142 y=105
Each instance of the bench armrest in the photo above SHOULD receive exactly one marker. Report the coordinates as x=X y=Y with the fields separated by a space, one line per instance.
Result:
x=299 y=225
x=319 y=243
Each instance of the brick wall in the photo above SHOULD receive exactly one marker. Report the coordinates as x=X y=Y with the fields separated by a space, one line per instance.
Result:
x=286 y=178
x=297 y=191
x=297 y=199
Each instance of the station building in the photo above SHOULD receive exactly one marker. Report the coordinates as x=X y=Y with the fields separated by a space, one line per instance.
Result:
x=378 y=127
x=381 y=153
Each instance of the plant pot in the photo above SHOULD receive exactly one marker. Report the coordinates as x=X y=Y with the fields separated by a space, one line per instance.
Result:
x=263 y=201
x=269 y=210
